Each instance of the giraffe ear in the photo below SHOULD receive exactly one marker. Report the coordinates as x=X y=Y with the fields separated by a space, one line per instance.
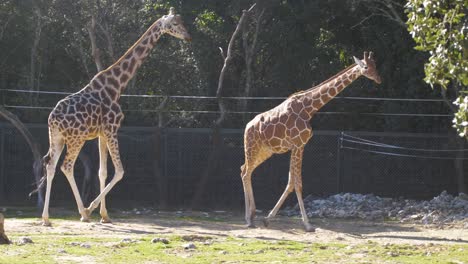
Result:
x=359 y=62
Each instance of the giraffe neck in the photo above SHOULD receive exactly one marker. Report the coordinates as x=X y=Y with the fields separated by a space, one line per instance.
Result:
x=326 y=91
x=114 y=79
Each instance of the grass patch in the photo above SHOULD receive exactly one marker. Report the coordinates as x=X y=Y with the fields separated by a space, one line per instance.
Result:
x=55 y=248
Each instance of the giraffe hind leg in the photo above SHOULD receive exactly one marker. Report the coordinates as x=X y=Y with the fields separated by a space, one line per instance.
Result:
x=102 y=178
x=50 y=163
x=113 y=147
x=287 y=191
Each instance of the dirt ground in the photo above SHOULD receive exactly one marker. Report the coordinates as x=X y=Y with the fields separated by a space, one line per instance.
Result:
x=222 y=224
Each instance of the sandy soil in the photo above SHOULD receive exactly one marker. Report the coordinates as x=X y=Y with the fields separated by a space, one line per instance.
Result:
x=222 y=224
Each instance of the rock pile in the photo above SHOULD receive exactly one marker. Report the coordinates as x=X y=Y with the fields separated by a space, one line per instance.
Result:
x=443 y=208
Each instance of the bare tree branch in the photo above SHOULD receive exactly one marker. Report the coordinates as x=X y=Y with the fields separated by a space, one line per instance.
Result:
x=95 y=52
x=33 y=145
x=227 y=59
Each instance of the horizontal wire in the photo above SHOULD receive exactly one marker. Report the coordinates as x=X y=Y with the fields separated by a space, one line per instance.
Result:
x=244 y=112
x=379 y=144
x=404 y=155
x=234 y=97
x=404 y=148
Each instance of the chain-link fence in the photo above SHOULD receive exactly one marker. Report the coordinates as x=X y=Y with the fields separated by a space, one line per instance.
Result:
x=163 y=167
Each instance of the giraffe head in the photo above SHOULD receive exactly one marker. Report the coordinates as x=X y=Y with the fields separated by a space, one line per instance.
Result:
x=173 y=25
x=368 y=68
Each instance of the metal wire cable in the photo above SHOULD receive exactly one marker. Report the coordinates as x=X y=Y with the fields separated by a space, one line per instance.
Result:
x=244 y=112
x=404 y=155
x=233 y=97
x=363 y=141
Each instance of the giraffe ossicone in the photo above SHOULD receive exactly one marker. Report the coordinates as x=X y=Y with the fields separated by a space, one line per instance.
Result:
x=286 y=128
x=94 y=112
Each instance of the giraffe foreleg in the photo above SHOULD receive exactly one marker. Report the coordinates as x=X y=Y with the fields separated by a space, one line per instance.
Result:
x=73 y=149
x=102 y=178
x=297 y=154
x=246 y=175
x=113 y=146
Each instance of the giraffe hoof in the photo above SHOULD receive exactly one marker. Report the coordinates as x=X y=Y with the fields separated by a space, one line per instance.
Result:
x=106 y=220
x=46 y=223
x=84 y=219
x=250 y=226
x=266 y=222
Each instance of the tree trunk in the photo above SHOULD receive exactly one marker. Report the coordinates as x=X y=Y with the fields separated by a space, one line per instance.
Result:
x=34 y=48
x=249 y=52
x=95 y=51
x=3 y=237
x=35 y=149
x=216 y=142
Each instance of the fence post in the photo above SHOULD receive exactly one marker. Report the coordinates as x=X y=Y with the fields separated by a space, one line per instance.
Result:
x=338 y=163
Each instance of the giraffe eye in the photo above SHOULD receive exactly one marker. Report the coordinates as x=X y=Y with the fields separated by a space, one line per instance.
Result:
x=175 y=24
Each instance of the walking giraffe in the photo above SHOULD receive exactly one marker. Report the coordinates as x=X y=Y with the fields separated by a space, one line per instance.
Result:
x=286 y=128
x=93 y=112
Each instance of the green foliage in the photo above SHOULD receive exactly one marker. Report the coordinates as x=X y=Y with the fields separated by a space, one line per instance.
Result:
x=441 y=28
x=461 y=117
x=300 y=44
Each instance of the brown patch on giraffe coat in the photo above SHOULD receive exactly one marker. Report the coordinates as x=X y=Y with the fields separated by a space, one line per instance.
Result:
x=275 y=142
x=305 y=136
x=326 y=97
x=132 y=65
x=112 y=93
x=290 y=122
x=300 y=124
x=296 y=106
x=129 y=55
x=125 y=65
x=139 y=50
x=296 y=140
x=80 y=118
x=112 y=81
x=305 y=113
x=346 y=82
x=283 y=118
x=71 y=109
x=269 y=131
x=106 y=101
x=332 y=91
x=115 y=108
x=116 y=71
x=111 y=117
x=317 y=104
x=145 y=41
x=124 y=78
x=96 y=84
x=280 y=131
x=101 y=79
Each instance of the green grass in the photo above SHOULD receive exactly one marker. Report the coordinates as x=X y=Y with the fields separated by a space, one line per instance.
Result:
x=55 y=248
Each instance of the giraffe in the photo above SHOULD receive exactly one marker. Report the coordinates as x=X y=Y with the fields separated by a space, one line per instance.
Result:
x=286 y=128
x=95 y=112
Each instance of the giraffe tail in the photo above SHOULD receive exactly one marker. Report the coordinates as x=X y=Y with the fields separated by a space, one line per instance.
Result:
x=42 y=181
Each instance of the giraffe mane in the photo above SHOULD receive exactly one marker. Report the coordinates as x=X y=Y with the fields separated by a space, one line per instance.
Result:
x=324 y=82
